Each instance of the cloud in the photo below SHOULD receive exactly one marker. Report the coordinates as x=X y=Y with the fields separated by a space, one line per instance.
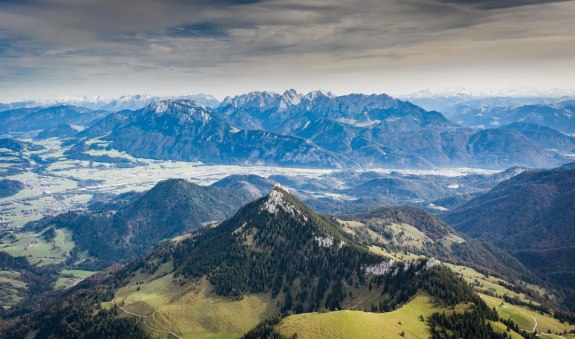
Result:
x=197 y=30
x=206 y=41
x=498 y=4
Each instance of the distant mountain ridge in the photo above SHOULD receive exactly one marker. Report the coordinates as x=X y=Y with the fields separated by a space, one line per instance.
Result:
x=125 y=102
x=186 y=130
x=317 y=129
x=40 y=118
x=170 y=208
x=559 y=116
x=274 y=256
x=291 y=110
x=532 y=217
x=378 y=130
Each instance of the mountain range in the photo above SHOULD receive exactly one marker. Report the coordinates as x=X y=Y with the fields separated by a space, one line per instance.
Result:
x=530 y=216
x=437 y=252
x=558 y=116
x=126 y=102
x=185 y=130
x=407 y=229
x=131 y=225
x=317 y=129
x=40 y=118
x=274 y=257
x=321 y=130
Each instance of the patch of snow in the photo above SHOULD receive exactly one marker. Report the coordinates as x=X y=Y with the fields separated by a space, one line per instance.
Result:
x=358 y=123
x=436 y=207
x=450 y=172
x=161 y=107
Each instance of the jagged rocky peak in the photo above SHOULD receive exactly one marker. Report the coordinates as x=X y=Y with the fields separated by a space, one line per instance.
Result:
x=292 y=97
x=172 y=105
x=256 y=99
x=188 y=110
x=264 y=100
x=279 y=187
x=289 y=98
x=318 y=94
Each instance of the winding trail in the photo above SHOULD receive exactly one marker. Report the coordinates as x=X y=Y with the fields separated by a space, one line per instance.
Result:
x=145 y=317
x=534 y=326
x=532 y=317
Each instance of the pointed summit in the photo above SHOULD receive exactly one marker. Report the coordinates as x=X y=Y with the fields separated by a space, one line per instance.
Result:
x=279 y=187
x=278 y=200
x=271 y=238
x=291 y=97
x=318 y=94
x=252 y=100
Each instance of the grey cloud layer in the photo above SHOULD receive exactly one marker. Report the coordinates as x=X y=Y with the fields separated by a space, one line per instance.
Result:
x=496 y=4
x=70 y=40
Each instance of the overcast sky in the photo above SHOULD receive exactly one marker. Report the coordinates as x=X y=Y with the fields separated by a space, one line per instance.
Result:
x=57 y=48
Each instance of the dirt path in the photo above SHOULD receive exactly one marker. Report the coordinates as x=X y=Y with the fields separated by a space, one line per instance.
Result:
x=145 y=317
x=532 y=317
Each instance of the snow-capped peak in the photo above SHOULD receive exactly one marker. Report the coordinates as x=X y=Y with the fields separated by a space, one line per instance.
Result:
x=513 y=92
x=315 y=94
x=280 y=187
x=185 y=110
x=260 y=100
x=292 y=97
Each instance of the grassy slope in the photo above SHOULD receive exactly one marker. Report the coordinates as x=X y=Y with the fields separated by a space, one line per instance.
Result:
x=53 y=252
x=490 y=284
x=355 y=324
x=10 y=288
x=352 y=324
x=68 y=275
x=524 y=317
x=42 y=253
x=193 y=310
x=402 y=234
x=480 y=282
x=500 y=327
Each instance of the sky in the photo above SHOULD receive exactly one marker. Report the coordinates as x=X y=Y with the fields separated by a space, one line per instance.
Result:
x=56 y=48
